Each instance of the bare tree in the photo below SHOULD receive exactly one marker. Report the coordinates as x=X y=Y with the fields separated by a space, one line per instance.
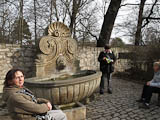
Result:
x=139 y=25
x=35 y=22
x=129 y=28
x=108 y=23
x=149 y=17
x=51 y=13
x=20 y=37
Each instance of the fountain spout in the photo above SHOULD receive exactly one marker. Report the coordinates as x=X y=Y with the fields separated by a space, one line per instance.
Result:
x=61 y=63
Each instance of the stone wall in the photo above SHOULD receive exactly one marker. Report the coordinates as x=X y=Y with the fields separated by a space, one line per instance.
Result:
x=16 y=56
x=88 y=58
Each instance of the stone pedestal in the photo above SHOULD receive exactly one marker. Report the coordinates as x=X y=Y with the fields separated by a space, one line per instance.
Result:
x=75 y=112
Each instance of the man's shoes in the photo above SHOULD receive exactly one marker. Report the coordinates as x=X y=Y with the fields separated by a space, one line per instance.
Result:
x=144 y=106
x=101 y=92
x=109 y=91
x=140 y=100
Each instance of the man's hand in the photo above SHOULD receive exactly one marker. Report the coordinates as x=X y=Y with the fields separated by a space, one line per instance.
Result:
x=49 y=106
x=148 y=83
x=104 y=58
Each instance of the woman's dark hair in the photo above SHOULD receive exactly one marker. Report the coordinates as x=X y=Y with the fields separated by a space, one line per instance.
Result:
x=10 y=76
x=107 y=46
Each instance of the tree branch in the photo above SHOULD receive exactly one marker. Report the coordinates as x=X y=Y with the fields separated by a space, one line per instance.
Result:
x=89 y=31
x=149 y=16
x=131 y=4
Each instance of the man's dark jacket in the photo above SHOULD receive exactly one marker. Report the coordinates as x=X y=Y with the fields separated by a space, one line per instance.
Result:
x=104 y=66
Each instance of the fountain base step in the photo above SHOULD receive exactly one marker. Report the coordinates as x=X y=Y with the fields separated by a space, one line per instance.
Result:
x=73 y=111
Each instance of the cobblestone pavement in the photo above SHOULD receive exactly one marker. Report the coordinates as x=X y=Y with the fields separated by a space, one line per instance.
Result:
x=120 y=105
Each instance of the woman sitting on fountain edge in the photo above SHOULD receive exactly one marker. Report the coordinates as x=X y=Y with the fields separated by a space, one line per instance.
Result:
x=150 y=87
x=22 y=104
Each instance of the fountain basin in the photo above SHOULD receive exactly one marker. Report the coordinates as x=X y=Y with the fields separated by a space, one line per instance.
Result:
x=68 y=90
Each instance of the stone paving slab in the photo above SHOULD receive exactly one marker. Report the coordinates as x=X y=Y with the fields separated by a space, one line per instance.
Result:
x=120 y=105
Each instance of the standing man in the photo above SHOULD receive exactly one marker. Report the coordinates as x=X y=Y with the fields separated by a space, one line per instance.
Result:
x=107 y=60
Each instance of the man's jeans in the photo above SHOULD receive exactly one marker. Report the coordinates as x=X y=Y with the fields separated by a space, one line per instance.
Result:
x=106 y=77
x=147 y=92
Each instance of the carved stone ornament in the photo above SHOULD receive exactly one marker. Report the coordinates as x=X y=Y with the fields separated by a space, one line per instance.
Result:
x=58 y=29
x=56 y=49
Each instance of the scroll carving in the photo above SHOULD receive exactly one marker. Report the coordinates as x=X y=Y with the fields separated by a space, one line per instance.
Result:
x=57 y=49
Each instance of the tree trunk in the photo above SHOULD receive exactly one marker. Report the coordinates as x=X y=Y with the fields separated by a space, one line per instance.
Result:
x=35 y=22
x=75 y=8
x=21 y=22
x=51 y=11
x=54 y=2
x=108 y=23
x=3 y=24
x=138 y=37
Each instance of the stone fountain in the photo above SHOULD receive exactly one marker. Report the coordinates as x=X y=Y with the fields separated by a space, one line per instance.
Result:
x=57 y=78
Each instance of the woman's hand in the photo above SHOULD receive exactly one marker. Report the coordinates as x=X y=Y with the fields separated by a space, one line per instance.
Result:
x=49 y=106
